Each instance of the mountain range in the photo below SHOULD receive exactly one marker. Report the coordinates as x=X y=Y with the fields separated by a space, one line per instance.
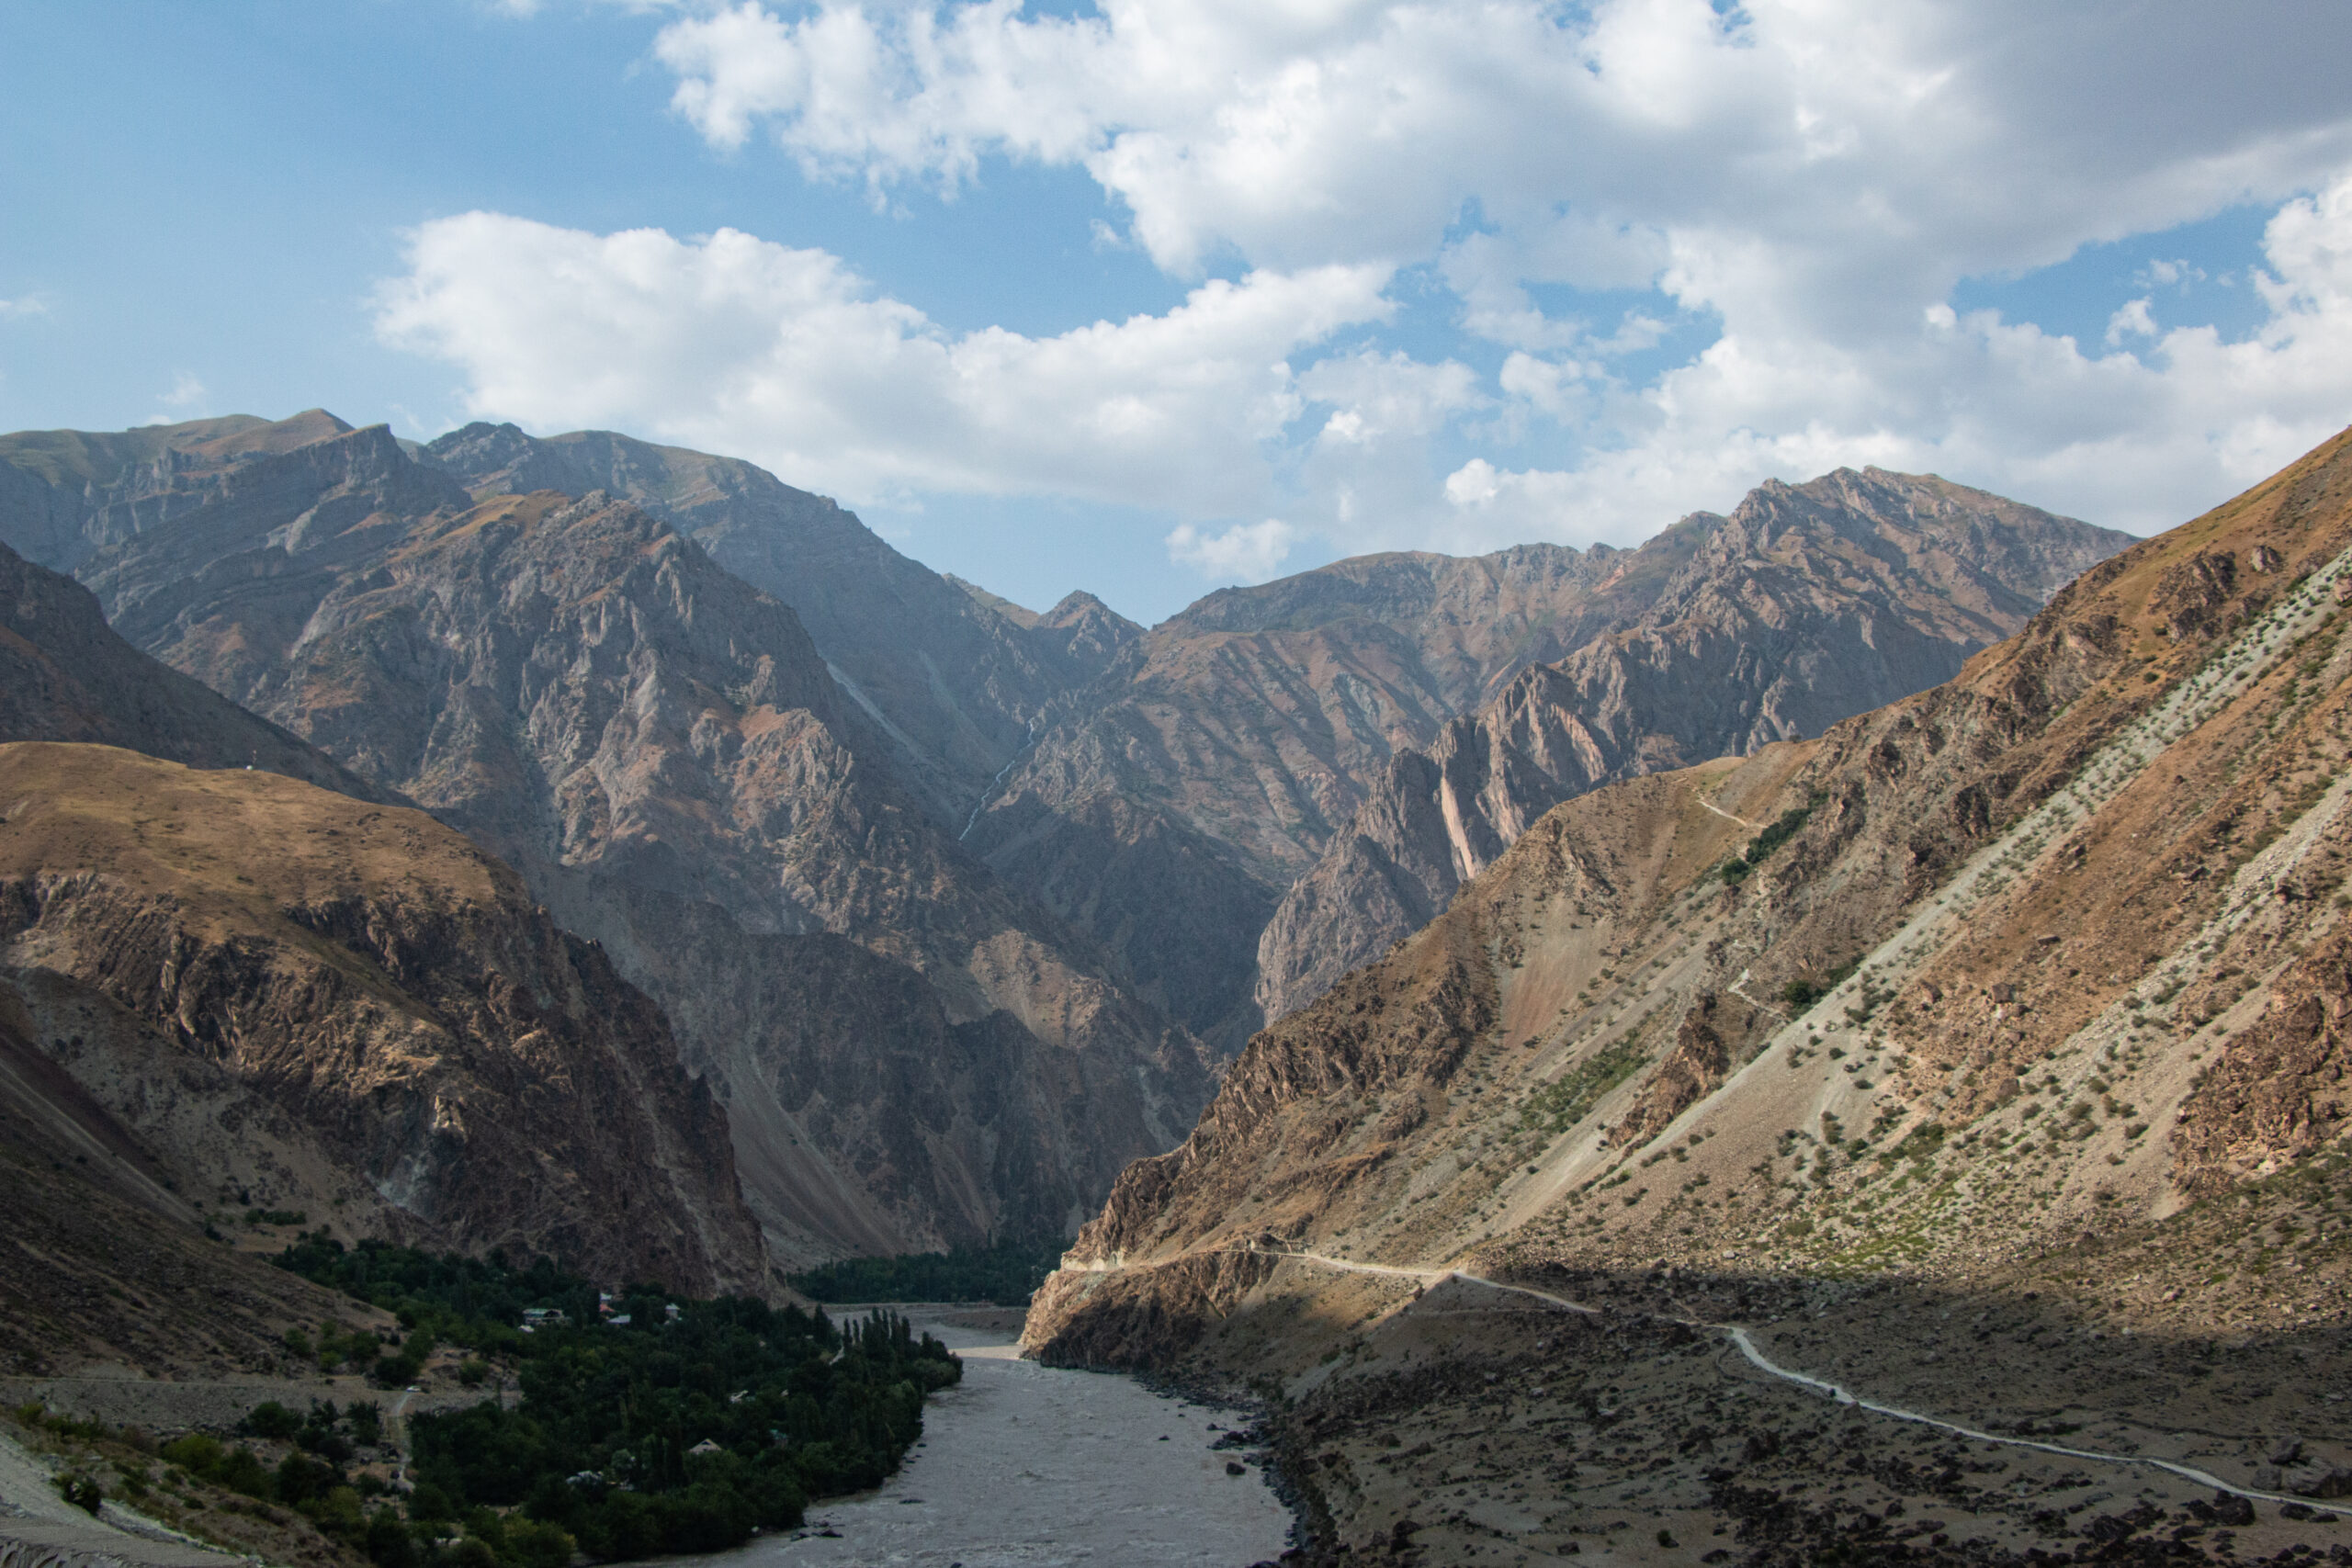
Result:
x=1536 y=1020
x=952 y=906
x=1981 y=1055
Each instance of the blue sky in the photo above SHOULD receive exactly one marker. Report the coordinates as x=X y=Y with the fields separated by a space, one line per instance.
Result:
x=1366 y=276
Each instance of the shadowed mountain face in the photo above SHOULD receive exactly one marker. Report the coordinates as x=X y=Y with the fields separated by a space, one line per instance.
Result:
x=372 y=1023
x=1244 y=801
x=2006 y=1081
x=369 y=1020
x=1212 y=819
x=65 y=493
x=65 y=675
x=660 y=751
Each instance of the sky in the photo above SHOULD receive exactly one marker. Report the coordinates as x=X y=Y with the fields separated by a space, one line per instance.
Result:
x=1147 y=296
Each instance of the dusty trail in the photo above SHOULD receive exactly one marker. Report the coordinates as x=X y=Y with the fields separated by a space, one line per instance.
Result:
x=1725 y=815
x=1739 y=1338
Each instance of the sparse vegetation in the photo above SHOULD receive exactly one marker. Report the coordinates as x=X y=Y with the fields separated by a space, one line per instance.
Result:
x=1007 y=1273
x=1778 y=833
x=1561 y=1104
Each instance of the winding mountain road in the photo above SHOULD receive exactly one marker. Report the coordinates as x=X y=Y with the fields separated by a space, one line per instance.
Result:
x=1740 y=1340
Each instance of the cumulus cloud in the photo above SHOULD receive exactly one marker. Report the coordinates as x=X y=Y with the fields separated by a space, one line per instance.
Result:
x=2135 y=320
x=787 y=357
x=1246 y=552
x=1960 y=138
x=185 y=401
x=2141 y=439
x=1795 y=187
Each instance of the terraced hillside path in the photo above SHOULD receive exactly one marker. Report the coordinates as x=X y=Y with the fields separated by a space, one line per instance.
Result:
x=1738 y=1339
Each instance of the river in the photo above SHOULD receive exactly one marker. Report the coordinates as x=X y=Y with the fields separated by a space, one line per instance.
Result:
x=1034 y=1466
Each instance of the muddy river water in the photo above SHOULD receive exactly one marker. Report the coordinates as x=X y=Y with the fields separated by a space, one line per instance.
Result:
x=1031 y=1466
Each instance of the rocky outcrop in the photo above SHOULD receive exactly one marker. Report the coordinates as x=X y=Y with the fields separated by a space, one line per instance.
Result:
x=1808 y=604
x=2281 y=1092
x=444 y=1063
x=661 y=752
x=1692 y=1071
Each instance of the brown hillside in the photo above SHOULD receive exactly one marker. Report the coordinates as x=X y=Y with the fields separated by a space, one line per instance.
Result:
x=385 y=1027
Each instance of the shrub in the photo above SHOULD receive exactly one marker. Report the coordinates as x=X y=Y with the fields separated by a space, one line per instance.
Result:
x=196 y=1453
x=239 y=1471
x=533 y=1544
x=301 y=1478
x=389 y=1543
x=271 y=1420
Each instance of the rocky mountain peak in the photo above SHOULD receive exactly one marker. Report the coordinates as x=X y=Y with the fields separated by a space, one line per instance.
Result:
x=1808 y=604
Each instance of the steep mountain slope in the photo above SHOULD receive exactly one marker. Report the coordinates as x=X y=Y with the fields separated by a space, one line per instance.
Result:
x=1294 y=760
x=64 y=494
x=953 y=679
x=65 y=675
x=2019 y=1028
x=658 y=749
x=372 y=1020
x=1810 y=603
x=100 y=1262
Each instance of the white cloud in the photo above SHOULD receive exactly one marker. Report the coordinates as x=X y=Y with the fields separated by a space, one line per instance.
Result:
x=2141 y=440
x=1800 y=184
x=185 y=401
x=1378 y=396
x=786 y=356
x=1852 y=133
x=2133 y=320
x=2170 y=273
x=25 y=305
x=1246 y=552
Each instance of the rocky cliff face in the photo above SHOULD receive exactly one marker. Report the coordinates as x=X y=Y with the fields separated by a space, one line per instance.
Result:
x=1211 y=764
x=372 y=1021
x=661 y=752
x=1808 y=604
x=1237 y=804
x=65 y=675
x=2037 y=968
x=953 y=679
x=65 y=493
